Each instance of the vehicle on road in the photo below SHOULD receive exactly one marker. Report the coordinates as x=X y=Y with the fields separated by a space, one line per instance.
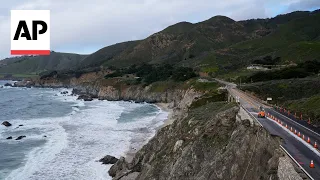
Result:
x=262 y=113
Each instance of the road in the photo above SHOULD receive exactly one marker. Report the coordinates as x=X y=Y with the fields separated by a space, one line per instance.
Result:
x=302 y=151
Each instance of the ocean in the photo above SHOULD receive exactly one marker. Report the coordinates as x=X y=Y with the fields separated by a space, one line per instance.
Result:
x=66 y=137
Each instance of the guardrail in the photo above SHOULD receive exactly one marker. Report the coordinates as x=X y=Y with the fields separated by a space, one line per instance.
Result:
x=254 y=118
x=296 y=162
x=281 y=146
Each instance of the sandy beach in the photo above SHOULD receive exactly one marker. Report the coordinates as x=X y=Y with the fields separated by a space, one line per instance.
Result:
x=164 y=107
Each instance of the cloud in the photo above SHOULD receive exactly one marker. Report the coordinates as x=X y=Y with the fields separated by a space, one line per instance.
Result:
x=304 y=4
x=83 y=25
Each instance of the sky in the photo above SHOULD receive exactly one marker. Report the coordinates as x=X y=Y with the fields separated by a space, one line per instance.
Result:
x=85 y=26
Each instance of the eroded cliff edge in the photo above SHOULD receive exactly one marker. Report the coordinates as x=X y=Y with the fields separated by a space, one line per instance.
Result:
x=207 y=140
x=208 y=143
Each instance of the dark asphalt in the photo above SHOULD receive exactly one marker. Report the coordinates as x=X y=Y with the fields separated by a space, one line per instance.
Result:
x=297 y=149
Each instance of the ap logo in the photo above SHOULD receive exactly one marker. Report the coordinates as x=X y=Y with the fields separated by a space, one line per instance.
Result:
x=30 y=32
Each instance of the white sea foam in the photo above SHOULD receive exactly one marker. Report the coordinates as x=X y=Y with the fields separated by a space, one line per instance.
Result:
x=75 y=142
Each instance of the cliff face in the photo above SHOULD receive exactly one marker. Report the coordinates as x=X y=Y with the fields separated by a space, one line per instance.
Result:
x=207 y=143
x=95 y=85
x=207 y=140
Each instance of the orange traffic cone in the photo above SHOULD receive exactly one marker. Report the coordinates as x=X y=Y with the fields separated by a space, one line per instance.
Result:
x=315 y=145
x=295 y=131
x=291 y=129
x=295 y=115
x=311 y=164
x=308 y=141
x=309 y=122
x=303 y=137
x=299 y=134
x=286 y=126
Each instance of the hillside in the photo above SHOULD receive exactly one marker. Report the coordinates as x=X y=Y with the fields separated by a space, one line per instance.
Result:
x=297 y=95
x=184 y=43
x=38 y=64
x=218 y=45
x=297 y=40
x=225 y=44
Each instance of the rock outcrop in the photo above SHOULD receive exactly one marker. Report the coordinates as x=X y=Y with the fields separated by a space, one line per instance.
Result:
x=20 y=137
x=208 y=143
x=64 y=92
x=85 y=97
x=8 y=84
x=6 y=123
x=27 y=84
x=108 y=160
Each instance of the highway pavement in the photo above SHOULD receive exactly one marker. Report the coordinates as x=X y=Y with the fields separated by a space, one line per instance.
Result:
x=279 y=124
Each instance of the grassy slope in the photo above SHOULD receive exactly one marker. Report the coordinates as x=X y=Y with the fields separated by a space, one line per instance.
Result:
x=37 y=64
x=299 y=95
x=296 y=40
x=309 y=106
x=184 y=43
x=219 y=45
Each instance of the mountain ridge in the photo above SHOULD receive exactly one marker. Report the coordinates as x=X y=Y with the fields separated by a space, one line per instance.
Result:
x=219 y=42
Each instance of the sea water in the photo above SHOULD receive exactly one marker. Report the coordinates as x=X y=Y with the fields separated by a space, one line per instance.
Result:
x=66 y=137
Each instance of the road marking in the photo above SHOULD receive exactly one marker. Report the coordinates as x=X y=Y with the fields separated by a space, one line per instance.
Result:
x=286 y=117
x=296 y=122
x=296 y=162
x=298 y=138
x=267 y=130
x=252 y=116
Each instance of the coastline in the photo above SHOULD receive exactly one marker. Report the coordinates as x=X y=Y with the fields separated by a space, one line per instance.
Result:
x=165 y=107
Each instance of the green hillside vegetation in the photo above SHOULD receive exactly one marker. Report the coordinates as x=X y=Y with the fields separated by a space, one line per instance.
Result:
x=31 y=65
x=302 y=70
x=218 y=46
x=148 y=73
x=309 y=106
x=297 y=95
x=296 y=41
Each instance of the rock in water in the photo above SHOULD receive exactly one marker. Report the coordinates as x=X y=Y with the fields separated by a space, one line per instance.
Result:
x=8 y=84
x=9 y=137
x=20 y=137
x=64 y=92
x=108 y=160
x=85 y=97
x=6 y=123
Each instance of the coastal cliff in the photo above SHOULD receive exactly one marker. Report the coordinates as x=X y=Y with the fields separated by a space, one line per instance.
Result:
x=207 y=143
x=208 y=139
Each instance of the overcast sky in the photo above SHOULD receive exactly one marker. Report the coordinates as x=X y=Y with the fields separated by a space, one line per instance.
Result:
x=84 y=26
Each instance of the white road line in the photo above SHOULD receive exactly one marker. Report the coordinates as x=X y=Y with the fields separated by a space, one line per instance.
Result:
x=296 y=122
x=282 y=146
x=296 y=162
x=286 y=117
x=309 y=146
x=252 y=116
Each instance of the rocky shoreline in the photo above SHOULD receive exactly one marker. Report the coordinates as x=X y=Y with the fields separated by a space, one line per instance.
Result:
x=212 y=141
